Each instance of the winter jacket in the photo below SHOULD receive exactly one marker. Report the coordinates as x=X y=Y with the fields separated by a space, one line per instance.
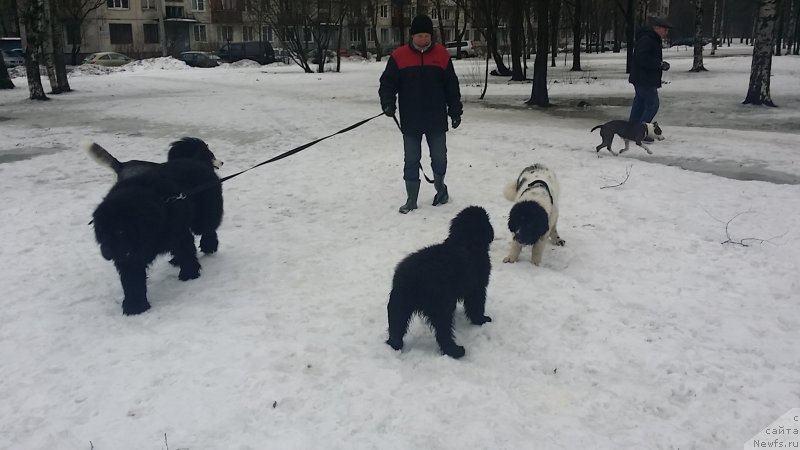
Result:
x=646 y=65
x=427 y=86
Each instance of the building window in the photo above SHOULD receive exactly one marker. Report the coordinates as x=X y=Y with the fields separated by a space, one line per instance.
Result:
x=446 y=14
x=117 y=4
x=267 y=34
x=412 y=11
x=73 y=34
x=229 y=5
x=198 y=5
x=120 y=33
x=224 y=33
x=199 y=33
x=307 y=36
x=248 y=34
x=447 y=35
x=151 y=33
x=434 y=14
x=384 y=35
x=174 y=12
x=148 y=4
x=384 y=11
x=354 y=35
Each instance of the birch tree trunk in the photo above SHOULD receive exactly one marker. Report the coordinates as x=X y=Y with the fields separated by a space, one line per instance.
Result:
x=47 y=46
x=697 y=65
x=761 y=67
x=30 y=23
x=714 y=28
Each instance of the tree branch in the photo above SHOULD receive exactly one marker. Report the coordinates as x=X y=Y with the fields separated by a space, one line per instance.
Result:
x=627 y=175
x=742 y=242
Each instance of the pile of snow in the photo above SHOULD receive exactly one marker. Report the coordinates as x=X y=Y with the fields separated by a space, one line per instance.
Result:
x=92 y=69
x=162 y=63
x=244 y=63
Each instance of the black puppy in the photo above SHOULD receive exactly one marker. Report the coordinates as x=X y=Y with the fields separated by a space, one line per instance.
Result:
x=144 y=216
x=431 y=281
x=188 y=148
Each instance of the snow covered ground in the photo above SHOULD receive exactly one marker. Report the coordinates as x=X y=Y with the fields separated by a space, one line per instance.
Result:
x=644 y=331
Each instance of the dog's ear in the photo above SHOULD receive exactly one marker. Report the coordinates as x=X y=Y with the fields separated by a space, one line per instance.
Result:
x=513 y=221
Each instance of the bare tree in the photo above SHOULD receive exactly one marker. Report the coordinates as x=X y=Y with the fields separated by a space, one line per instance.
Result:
x=761 y=67
x=555 y=22
x=715 y=26
x=577 y=17
x=5 y=79
x=539 y=96
x=485 y=16
x=697 y=64
x=30 y=14
x=73 y=14
x=516 y=36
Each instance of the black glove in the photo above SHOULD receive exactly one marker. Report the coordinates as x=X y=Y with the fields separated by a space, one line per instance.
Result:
x=389 y=110
x=664 y=66
x=456 y=121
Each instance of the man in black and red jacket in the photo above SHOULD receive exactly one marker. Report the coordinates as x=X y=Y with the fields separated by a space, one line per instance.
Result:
x=422 y=75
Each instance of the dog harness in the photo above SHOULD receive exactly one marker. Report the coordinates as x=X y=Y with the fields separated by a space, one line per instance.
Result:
x=539 y=183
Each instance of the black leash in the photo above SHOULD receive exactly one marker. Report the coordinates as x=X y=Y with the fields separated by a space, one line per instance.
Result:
x=420 y=163
x=285 y=154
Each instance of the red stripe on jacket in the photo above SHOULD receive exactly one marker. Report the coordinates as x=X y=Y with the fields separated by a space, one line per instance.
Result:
x=407 y=56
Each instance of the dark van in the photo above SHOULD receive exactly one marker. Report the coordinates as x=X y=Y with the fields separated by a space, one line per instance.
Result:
x=261 y=52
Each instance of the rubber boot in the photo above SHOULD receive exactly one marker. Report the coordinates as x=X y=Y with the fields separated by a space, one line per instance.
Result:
x=441 y=196
x=412 y=190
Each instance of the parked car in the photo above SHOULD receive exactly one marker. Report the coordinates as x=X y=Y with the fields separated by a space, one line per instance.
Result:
x=260 y=52
x=10 y=43
x=465 y=49
x=199 y=59
x=689 y=41
x=12 y=59
x=107 y=59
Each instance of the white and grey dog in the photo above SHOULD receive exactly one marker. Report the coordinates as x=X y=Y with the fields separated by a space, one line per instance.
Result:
x=534 y=216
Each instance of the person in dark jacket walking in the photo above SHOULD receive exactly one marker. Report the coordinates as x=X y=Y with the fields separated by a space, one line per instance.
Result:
x=422 y=76
x=646 y=70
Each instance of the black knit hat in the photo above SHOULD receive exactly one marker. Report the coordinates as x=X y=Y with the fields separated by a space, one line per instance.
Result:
x=661 y=22
x=421 y=24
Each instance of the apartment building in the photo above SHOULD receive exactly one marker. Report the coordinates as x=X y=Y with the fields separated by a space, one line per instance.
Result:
x=146 y=28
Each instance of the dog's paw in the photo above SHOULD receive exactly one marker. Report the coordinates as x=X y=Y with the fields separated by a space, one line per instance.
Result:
x=132 y=308
x=560 y=242
x=396 y=344
x=454 y=351
x=189 y=272
x=509 y=259
x=209 y=244
x=482 y=320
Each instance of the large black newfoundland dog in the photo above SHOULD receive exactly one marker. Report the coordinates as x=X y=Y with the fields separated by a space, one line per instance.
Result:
x=431 y=281
x=145 y=215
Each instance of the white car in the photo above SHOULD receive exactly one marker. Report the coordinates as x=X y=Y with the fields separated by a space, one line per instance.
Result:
x=12 y=59
x=465 y=49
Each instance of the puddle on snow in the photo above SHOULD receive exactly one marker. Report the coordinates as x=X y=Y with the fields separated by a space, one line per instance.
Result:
x=23 y=153
x=725 y=168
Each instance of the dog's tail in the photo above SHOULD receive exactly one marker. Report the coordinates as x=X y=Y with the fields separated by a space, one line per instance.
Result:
x=599 y=126
x=101 y=155
x=510 y=191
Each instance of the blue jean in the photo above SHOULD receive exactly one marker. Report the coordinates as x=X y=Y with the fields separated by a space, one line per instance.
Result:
x=412 y=149
x=645 y=104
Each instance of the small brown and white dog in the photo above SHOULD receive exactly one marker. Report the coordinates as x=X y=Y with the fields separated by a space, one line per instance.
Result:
x=534 y=216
